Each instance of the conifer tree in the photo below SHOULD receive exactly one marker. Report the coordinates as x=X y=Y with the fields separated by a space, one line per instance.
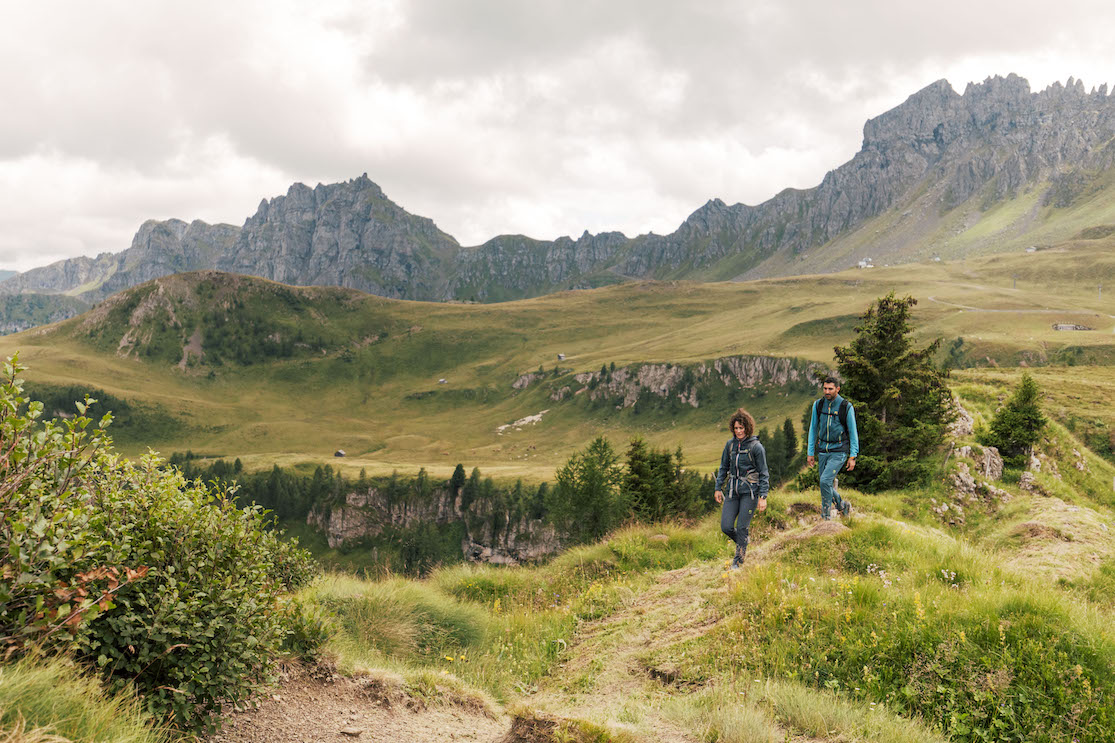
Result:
x=1017 y=425
x=457 y=481
x=791 y=438
x=585 y=502
x=902 y=400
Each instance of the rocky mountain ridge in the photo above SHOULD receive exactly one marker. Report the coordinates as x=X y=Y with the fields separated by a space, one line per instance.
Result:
x=928 y=172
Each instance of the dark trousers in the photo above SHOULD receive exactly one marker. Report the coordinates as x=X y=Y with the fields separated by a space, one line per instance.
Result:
x=735 y=517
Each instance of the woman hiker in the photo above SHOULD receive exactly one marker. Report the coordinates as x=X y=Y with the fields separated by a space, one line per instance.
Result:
x=743 y=469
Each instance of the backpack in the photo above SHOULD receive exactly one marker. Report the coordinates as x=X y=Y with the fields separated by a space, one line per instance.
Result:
x=841 y=413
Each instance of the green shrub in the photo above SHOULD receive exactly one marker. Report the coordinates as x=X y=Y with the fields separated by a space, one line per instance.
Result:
x=201 y=627
x=165 y=586
x=308 y=628
x=44 y=492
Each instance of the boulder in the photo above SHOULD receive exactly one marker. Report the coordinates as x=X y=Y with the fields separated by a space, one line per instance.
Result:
x=990 y=463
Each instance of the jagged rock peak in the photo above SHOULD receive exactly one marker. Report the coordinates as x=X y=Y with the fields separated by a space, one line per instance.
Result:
x=917 y=117
x=299 y=196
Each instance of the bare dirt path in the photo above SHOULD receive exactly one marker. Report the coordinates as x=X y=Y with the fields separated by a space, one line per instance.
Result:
x=335 y=709
x=609 y=678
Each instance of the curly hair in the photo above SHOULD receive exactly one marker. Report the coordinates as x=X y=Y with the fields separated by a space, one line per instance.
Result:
x=745 y=418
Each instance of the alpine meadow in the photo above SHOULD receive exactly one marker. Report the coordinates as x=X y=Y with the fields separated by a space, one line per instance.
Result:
x=256 y=489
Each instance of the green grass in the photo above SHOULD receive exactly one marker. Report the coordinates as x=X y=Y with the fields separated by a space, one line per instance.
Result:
x=917 y=623
x=42 y=697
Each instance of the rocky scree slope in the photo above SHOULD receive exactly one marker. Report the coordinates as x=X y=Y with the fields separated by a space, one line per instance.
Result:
x=935 y=154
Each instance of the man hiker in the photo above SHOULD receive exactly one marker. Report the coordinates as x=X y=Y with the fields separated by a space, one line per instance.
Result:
x=833 y=440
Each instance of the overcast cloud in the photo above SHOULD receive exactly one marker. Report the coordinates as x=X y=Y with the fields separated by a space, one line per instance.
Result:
x=493 y=116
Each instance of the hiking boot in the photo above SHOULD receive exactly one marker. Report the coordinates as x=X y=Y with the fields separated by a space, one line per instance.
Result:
x=737 y=561
x=845 y=508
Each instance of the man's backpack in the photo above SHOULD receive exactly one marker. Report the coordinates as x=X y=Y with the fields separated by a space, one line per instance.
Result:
x=841 y=413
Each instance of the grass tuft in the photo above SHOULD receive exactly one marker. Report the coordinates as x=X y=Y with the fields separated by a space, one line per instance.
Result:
x=44 y=700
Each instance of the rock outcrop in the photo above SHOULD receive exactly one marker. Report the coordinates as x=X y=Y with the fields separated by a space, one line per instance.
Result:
x=490 y=536
x=689 y=384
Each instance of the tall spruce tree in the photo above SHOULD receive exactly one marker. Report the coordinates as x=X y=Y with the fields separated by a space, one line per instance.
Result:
x=791 y=440
x=1017 y=425
x=585 y=502
x=903 y=403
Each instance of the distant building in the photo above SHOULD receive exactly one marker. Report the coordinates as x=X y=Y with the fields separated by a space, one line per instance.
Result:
x=339 y=453
x=441 y=381
x=561 y=357
x=1031 y=249
x=1069 y=326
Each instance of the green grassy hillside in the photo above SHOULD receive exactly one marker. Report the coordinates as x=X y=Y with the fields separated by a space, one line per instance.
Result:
x=246 y=368
x=900 y=624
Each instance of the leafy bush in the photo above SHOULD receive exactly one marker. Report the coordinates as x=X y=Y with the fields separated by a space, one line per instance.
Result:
x=308 y=626
x=201 y=627
x=44 y=489
x=163 y=585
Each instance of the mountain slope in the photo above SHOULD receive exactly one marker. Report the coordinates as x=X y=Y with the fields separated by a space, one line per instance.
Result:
x=942 y=174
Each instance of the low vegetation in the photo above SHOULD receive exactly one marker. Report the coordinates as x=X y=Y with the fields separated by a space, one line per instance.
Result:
x=163 y=586
x=908 y=622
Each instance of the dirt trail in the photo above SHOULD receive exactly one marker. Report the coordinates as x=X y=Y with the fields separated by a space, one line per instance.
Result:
x=608 y=678
x=605 y=680
x=334 y=709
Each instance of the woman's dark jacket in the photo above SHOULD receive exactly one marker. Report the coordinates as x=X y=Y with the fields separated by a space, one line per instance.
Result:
x=743 y=468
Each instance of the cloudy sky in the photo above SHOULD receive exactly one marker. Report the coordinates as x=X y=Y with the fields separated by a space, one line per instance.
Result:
x=541 y=117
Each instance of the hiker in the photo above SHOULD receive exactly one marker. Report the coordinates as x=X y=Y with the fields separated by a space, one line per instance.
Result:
x=834 y=440
x=743 y=465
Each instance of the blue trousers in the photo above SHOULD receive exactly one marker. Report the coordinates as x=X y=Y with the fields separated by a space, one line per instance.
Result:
x=829 y=466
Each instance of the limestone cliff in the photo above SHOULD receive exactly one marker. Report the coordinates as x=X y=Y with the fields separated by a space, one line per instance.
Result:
x=688 y=384
x=491 y=535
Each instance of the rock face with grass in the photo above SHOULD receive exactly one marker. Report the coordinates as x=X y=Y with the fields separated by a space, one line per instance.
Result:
x=488 y=537
x=689 y=385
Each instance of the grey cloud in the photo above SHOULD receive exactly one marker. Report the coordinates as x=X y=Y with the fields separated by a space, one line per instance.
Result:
x=549 y=103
